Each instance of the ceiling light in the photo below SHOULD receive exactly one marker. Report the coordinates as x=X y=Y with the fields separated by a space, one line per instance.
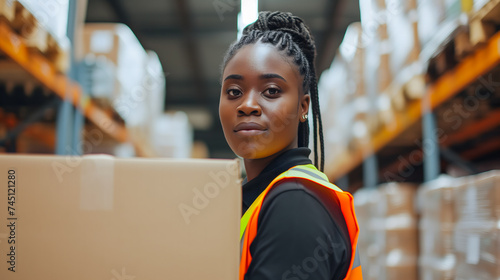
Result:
x=248 y=14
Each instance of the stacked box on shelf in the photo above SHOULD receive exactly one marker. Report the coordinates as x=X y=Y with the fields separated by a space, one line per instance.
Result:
x=339 y=87
x=172 y=135
x=388 y=231
x=377 y=74
x=477 y=230
x=436 y=225
x=399 y=235
x=365 y=202
x=7 y=10
x=484 y=16
x=44 y=26
x=117 y=45
x=155 y=83
x=432 y=15
x=402 y=29
x=150 y=102
x=439 y=23
x=356 y=114
x=374 y=15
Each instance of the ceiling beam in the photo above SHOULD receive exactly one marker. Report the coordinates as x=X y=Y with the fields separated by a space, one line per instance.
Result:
x=123 y=16
x=119 y=11
x=193 y=56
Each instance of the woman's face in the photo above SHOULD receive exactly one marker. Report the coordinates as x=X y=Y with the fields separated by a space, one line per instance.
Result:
x=261 y=102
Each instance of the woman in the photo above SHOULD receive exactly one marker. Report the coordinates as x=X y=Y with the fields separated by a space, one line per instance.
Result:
x=296 y=224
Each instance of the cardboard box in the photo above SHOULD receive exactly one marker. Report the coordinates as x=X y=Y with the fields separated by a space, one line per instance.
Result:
x=118 y=44
x=7 y=10
x=408 y=272
x=478 y=198
x=98 y=217
x=398 y=205
x=52 y=15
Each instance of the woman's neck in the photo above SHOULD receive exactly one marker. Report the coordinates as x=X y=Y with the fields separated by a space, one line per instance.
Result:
x=254 y=167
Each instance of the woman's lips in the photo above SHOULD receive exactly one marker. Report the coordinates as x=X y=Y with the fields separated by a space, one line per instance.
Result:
x=249 y=128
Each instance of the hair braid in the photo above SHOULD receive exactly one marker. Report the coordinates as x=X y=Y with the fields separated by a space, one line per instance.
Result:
x=288 y=33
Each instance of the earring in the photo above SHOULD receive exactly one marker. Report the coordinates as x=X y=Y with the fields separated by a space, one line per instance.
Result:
x=304 y=117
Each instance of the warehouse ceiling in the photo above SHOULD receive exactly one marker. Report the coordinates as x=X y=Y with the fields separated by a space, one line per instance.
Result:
x=191 y=37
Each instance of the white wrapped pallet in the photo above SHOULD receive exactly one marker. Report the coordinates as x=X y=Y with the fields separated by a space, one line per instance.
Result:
x=119 y=45
x=155 y=83
x=436 y=203
x=339 y=86
x=52 y=15
x=477 y=230
x=151 y=108
x=172 y=136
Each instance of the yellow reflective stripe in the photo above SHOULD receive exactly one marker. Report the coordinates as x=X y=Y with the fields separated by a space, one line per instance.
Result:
x=307 y=171
x=304 y=173
x=246 y=217
x=311 y=168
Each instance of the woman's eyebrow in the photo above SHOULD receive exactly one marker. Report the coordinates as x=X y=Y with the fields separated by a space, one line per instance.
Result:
x=234 y=77
x=271 y=76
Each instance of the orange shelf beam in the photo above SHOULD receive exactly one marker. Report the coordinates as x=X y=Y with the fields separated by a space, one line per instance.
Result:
x=483 y=149
x=475 y=65
x=41 y=69
x=474 y=129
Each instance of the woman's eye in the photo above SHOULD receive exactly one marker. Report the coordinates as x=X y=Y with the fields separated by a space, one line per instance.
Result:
x=272 y=91
x=233 y=92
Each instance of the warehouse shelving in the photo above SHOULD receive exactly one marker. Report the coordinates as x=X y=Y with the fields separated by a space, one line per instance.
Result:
x=42 y=70
x=480 y=62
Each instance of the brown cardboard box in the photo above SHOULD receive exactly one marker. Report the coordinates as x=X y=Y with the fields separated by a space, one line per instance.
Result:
x=477 y=233
x=431 y=272
x=408 y=272
x=479 y=197
x=388 y=240
x=398 y=204
x=7 y=10
x=436 y=203
x=98 y=217
x=404 y=242
x=477 y=248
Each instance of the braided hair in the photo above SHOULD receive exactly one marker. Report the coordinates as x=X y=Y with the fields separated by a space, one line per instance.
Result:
x=288 y=33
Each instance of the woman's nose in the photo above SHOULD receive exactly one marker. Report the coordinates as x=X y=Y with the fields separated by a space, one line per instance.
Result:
x=250 y=105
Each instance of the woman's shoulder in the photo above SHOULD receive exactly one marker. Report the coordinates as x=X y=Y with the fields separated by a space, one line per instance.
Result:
x=304 y=200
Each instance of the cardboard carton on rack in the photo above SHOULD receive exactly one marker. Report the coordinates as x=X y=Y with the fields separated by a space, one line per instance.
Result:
x=7 y=10
x=119 y=45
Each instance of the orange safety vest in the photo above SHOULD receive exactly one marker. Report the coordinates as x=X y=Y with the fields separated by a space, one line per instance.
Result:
x=248 y=223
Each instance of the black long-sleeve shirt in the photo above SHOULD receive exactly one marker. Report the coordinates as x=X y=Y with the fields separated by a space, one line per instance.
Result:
x=299 y=236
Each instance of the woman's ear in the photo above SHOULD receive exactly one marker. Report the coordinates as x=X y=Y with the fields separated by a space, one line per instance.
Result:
x=304 y=107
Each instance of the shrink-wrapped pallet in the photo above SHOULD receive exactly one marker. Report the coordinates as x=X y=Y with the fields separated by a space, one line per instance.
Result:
x=436 y=205
x=388 y=231
x=477 y=231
